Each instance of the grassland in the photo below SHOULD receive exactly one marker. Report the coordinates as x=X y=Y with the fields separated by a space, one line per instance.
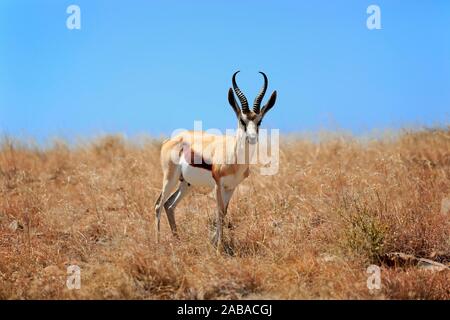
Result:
x=336 y=206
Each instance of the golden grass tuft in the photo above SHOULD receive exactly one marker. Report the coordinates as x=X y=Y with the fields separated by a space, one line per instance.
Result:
x=336 y=206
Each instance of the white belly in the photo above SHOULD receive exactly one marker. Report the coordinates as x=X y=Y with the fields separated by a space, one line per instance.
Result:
x=196 y=176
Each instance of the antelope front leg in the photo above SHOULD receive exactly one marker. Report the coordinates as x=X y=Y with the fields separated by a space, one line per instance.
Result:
x=223 y=197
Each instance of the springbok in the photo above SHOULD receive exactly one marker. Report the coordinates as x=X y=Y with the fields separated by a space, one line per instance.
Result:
x=195 y=158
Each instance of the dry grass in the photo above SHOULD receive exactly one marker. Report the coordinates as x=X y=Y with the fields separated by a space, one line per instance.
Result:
x=310 y=231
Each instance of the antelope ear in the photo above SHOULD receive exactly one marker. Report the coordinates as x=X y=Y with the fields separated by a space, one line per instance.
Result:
x=269 y=103
x=233 y=103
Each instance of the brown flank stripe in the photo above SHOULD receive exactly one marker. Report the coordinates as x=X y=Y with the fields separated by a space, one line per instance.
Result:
x=191 y=158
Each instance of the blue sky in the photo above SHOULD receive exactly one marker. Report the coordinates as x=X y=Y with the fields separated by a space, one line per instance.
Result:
x=154 y=66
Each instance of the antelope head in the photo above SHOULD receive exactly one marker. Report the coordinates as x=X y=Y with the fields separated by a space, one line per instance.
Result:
x=250 y=120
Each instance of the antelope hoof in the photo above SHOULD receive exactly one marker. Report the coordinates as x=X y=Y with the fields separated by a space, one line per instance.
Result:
x=175 y=235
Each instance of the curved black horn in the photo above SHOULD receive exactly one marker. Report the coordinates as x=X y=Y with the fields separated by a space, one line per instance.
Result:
x=242 y=98
x=260 y=96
